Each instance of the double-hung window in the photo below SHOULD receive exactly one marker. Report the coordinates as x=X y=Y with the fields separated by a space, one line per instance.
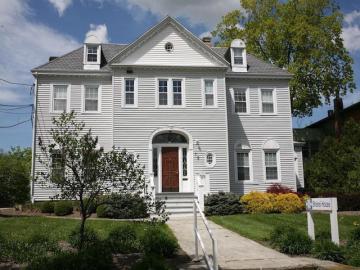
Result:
x=271 y=165
x=57 y=166
x=243 y=165
x=60 y=97
x=129 y=91
x=91 y=102
x=92 y=53
x=163 y=92
x=209 y=93
x=238 y=56
x=177 y=92
x=240 y=100
x=267 y=100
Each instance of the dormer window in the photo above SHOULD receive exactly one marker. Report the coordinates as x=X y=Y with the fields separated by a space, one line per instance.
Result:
x=238 y=56
x=92 y=56
x=92 y=53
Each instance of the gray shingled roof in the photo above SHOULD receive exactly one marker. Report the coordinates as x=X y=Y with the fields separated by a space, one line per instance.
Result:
x=73 y=61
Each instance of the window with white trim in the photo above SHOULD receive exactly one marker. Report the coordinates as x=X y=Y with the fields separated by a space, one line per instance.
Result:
x=177 y=92
x=163 y=92
x=238 y=56
x=129 y=91
x=267 y=100
x=92 y=53
x=60 y=97
x=57 y=166
x=155 y=162
x=243 y=165
x=271 y=165
x=240 y=100
x=184 y=162
x=91 y=96
x=209 y=92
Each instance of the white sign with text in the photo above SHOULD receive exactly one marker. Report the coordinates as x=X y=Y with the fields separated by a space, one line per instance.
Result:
x=323 y=205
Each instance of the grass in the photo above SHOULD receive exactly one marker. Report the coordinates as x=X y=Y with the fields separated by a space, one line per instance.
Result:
x=258 y=226
x=59 y=228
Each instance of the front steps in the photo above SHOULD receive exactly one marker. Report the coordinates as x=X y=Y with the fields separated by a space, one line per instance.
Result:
x=177 y=203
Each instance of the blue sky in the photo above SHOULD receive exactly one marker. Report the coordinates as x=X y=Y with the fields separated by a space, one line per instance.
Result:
x=31 y=31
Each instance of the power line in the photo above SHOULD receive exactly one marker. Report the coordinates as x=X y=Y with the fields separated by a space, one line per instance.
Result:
x=16 y=105
x=14 y=125
x=10 y=112
x=16 y=83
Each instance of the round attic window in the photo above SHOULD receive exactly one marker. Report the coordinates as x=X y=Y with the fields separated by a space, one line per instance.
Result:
x=169 y=47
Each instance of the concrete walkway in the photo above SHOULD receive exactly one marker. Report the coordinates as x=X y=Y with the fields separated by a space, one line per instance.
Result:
x=237 y=252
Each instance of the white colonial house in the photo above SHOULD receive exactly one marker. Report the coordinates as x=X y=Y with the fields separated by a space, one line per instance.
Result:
x=202 y=119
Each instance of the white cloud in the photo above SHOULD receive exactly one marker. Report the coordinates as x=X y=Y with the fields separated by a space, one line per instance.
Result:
x=61 y=5
x=97 y=33
x=351 y=31
x=26 y=44
x=349 y=18
x=10 y=96
x=206 y=12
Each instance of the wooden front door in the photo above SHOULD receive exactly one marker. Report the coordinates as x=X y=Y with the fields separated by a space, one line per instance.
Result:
x=170 y=169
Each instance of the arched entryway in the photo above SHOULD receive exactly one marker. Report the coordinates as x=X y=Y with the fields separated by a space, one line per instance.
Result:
x=171 y=160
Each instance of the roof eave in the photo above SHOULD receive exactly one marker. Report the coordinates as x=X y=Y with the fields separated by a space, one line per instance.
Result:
x=70 y=72
x=258 y=75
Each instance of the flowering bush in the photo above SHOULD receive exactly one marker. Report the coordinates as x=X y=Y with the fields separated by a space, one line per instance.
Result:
x=279 y=189
x=288 y=203
x=258 y=202
x=264 y=202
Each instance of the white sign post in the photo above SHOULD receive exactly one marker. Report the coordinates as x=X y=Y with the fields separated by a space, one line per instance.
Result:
x=328 y=205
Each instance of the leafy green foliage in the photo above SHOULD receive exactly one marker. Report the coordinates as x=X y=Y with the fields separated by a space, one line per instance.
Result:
x=63 y=208
x=123 y=239
x=302 y=36
x=123 y=206
x=336 y=167
x=325 y=249
x=47 y=207
x=15 y=176
x=90 y=237
x=92 y=258
x=157 y=241
x=290 y=240
x=222 y=204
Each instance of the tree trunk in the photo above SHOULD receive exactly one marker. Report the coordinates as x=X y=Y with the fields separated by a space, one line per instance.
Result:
x=82 y=224
x=338 y=107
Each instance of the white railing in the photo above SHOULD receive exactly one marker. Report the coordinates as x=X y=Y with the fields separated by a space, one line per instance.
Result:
x=211 y=262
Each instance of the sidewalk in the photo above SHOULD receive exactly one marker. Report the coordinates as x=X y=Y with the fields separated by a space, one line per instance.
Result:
x=237 y=252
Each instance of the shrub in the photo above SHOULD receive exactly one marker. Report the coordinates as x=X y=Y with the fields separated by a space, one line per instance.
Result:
x=352 y=253
x=47 y=207
x=222 y=204
x=92 y=207
x=290 y=240
x=26 y=250
x=288 y=203
x=96 y=257
x=90 y=237
x=63 y=208
x=279 y=189
x=151 y=262
x=327 y=250
x=258 y=202
x=123 y=239
x=123 y=206
x=157 y=241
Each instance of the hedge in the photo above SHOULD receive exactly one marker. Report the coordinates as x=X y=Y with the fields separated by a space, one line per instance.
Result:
x=222 y=204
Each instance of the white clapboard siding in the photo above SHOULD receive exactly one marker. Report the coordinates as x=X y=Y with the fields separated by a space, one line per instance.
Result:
x=299 y=169
x=153 y=51
x=133 y=126
x=100 y=123
x=256 y=128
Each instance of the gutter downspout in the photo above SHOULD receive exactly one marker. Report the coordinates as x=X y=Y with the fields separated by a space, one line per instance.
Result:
x=33 y=145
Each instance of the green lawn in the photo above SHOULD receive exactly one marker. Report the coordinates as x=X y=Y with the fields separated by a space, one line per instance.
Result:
x=259 y=226
x=58 y=228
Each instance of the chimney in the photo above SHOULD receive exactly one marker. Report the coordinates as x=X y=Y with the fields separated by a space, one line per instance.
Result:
x=52 y=58
x=207 y=41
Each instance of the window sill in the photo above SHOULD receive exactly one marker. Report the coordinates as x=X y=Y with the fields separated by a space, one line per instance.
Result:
x=248 y=182
x=129 y=106
x=272 y=181
x=91 y=112
x=268 y=114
